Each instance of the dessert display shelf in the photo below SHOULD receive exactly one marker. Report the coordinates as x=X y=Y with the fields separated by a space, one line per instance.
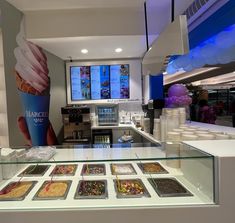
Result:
x=108 y=183
x=189 y=183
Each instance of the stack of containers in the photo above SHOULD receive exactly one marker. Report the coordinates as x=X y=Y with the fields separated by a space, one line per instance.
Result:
x=182 y=115
x=147 y=125
x=163 y=128
x=172 y=148
x=206 y=136
x=170 y=119
x=231 y=135
x=157 y=129
x=173 y=120
x=221 y=136
x=189 y=137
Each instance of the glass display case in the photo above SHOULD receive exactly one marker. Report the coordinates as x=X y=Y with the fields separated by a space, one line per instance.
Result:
x=107 y=114
x=148 y=175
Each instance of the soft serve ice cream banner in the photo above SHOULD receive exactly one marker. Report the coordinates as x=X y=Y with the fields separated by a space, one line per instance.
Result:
x=33 y=84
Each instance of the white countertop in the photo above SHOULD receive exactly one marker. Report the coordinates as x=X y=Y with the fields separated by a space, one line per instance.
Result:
x=119 y=126
x=219 y=128
x=220 y=148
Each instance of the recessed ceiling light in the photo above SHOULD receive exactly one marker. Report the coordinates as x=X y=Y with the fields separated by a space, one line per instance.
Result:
x=84 y=51
x=118 y=50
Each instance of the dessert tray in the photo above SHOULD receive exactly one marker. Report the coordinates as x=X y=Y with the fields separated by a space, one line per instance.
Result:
x=64 y=170
x=93 y=169
x=130 y=188
x=34 y=171
x=16 y=191
x=122 y=169
x=53 y=190
x=152 y=168
x=91 y=189
x=169 y=187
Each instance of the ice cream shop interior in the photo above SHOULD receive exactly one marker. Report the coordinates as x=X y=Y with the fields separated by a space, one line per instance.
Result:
x=117 y=110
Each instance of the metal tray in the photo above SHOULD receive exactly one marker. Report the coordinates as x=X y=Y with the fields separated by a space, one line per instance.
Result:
x=23 y=196
x=121 y=195
x=68 y=182
x=84 y=172
x=64 y=174
x=162 y=171
x=31 y=168
x=103 y=196
x=133 y=172
x=154 y=182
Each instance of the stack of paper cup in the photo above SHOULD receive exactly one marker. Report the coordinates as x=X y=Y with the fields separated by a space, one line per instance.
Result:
x=201 y=132
x=163 y=127
x=190 y=130
x=142 y=121
x=193 y=127
x=187 y=133
x=178 y=130
x=172 y=151
x=156 y=124
x=147 y=125
x=182 y=115
x=173 y=136
x=156 y=134
x=231 y=135
x=206 y=136
x=183 y=127
x=157 y=129
x=221 y=136
x=215 y=132
x=188 y=137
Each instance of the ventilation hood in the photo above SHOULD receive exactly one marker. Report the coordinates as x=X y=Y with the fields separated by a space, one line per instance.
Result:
x=172 y=41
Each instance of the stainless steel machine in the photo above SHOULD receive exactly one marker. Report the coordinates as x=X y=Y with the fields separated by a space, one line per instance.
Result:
x=77 y=124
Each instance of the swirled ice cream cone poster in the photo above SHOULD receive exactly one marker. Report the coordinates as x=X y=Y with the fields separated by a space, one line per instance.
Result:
x=33 y=83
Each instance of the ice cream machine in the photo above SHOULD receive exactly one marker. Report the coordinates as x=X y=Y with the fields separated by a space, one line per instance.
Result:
x=77 y=124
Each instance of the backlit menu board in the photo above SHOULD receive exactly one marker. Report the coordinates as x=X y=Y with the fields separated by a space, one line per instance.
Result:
x=119 y=81
x=80 y=79
x=99 y=82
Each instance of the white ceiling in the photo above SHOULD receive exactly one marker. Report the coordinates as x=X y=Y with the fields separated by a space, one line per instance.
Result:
x=99 y=47
x=27 y=5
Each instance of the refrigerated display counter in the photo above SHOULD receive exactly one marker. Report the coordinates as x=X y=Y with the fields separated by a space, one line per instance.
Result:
x=185 y=182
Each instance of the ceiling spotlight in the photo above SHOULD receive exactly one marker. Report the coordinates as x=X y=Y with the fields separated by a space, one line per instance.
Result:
x=84 y=51
x=118 y=50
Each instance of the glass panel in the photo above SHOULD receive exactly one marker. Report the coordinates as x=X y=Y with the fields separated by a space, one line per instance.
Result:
x=112 y=152
x=154 y=175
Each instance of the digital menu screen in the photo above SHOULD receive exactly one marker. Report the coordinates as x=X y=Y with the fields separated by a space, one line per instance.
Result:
x=99 y=82
x=80 y=79
x=119 y=81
